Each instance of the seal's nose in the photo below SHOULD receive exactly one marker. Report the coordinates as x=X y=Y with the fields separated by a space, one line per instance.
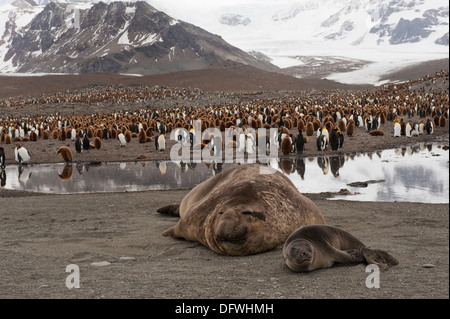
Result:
x=299 y=254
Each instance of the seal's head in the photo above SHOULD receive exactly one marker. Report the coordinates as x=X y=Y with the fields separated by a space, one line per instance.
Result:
x=298 y=255
x=237 y=231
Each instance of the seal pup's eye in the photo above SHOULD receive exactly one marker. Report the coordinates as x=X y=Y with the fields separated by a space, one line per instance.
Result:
x=220 y=213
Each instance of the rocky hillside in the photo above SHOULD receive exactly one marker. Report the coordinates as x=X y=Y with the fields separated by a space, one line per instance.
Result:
x=117 y=37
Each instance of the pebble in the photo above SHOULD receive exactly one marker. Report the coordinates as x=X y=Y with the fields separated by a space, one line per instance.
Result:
x=100 y=263
x=427 y=265
x=126 y=258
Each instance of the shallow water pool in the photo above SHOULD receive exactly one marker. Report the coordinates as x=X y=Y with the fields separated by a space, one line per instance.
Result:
x=412 y=174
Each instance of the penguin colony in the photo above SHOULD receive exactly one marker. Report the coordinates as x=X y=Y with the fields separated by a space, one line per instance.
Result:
x=325 y=117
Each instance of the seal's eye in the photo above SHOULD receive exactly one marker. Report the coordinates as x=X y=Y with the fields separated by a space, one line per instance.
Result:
x=260 y=216
x=220 y=213
x=308 y=246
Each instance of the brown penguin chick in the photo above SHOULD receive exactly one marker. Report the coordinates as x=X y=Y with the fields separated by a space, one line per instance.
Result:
x=8 y=139
x=309 y=129
x=142 y=136
x=403 y=128
x=128 y=136
x=442 y=121
x=46 y=135
x=301 y=125
x=286 y=145
x=341 y=125
x=436 y=120
x=97 y=142
x=284 y=130
x=55 y=134
x=376 y=133
x=33 y=136
x=316 y=124
x=66 y=153
x=350 y=128
x=62 y=134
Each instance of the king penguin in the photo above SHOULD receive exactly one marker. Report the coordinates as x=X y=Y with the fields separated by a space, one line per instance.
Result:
x=123 y=140
x=160 y=142
x=86 y=142
x=429 y=127
x=21 y=154
x=78 y=145
x=334 y=139
x=321 y=141
x=299 y=142
x=397 y=129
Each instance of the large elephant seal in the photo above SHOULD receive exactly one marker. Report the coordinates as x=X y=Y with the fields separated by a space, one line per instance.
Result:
x=320 y=246
x=242 y=210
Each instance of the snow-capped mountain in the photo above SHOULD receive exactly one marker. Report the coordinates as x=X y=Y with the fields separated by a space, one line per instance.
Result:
x=387 y=34
x=304 y=37
x=118 y=37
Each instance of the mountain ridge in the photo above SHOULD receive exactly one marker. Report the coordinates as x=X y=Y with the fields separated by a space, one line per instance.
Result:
x=347 y=41
x=133 y=37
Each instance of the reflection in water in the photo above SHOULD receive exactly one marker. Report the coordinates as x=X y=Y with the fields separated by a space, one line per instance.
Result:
x=66 y=173
x=2 y=178
x=414 y=174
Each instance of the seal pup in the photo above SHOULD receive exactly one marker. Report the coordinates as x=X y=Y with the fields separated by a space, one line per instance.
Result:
x=320 y=246
x=243 y=210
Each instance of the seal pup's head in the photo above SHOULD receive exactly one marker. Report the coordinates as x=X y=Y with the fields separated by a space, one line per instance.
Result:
x=298 y=255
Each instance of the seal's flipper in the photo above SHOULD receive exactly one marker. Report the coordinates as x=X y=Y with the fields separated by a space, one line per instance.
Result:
x=171 y=210
x=173 y=232
x=379 y=257
x=350 y=256
x=169 y=232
